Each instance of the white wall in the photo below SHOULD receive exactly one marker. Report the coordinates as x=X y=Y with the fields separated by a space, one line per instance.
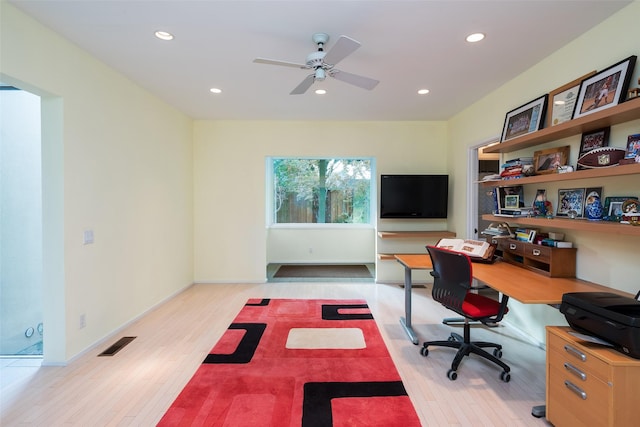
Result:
x=611 y=261
x=231 y=238
x=116 y=160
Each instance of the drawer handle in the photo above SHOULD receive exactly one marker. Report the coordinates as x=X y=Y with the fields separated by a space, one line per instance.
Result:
x=536 y=252
x=512 y=246
x=577 y=390
x=575 y=371
x=577 y=353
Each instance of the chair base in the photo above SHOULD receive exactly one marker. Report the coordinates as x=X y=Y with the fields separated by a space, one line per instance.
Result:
x=466 y=347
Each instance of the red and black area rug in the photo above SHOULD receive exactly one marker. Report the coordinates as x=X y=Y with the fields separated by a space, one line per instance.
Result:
x=293 y=362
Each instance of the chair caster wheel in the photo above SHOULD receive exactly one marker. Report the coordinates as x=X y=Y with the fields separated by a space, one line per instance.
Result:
x=424 y=351
x=505 y=376
x=497 y=353
x=452 y=375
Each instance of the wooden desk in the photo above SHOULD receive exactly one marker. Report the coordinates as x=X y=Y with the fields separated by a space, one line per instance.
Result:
x=518 y=283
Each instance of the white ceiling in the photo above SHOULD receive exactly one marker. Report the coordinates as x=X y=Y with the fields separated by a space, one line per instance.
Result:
x=407 y=45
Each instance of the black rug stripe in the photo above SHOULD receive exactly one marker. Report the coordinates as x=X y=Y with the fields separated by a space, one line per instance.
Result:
x=324 y=271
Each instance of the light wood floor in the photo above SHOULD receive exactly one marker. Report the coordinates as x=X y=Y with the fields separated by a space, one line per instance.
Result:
x=137 y=385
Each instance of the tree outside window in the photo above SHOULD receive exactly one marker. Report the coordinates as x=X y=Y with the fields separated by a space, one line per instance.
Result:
x=322 y=191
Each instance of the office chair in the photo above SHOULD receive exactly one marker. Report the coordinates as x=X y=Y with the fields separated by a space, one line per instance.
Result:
x=452 y=274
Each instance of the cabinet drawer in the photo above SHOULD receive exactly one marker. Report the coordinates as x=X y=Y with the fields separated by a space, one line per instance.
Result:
x=574 y=402
x=537 y=252
x=512 y=246
x=578 y=357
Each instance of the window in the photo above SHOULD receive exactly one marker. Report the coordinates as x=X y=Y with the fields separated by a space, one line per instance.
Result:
x=321 y=191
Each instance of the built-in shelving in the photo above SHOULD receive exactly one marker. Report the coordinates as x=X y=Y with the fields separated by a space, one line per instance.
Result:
x=415 y=234
x=621 y=113
x=619 y=170
x=608 y=227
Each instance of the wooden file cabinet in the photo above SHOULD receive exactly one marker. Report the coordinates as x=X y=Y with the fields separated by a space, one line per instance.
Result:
x=588 y=384
x=552 y=262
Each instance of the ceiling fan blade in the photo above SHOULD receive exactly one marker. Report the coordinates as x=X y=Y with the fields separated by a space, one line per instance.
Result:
x=354 y=79
x=302 y=87
x=344 y=47
x=277 y=62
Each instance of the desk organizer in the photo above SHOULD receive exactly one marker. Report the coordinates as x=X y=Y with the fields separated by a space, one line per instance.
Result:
x=550 y=261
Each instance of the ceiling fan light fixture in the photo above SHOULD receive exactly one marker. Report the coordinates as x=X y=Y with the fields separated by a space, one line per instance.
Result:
x=320 y=74
x=475 y=37
x=163 y=35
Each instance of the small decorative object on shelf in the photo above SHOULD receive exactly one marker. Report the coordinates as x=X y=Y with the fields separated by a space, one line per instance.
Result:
x=593 y=204
x=601 y=158
x=541 y=206
x=631 y=212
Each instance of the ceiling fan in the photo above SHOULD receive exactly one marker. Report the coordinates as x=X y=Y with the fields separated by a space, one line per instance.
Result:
x=322 y=64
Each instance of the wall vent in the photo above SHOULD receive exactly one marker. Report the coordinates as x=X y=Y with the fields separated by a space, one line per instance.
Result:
x=119 y=345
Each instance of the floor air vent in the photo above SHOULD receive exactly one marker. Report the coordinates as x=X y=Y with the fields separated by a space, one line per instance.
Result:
x=119 y=345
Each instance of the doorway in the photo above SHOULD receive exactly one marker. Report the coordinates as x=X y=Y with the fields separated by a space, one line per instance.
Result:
x=21 y=295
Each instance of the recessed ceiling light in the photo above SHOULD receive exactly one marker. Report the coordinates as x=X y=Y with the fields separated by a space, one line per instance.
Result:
x=423 y=91
x=475 y=37
x=215 y=90
x=320 y=91
x=163 y=35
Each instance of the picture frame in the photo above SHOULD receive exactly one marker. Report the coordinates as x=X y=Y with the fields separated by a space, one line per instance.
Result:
x=505 y=192
x=525 y=119
x=613 y=207
x=562 y=101
x=549 y=160
x=605 y=89
x=512 y=201
x=571 y=200
x=594 y=139
x=633 y=148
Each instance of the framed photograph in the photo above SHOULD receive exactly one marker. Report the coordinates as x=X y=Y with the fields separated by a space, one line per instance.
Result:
x=633 y=148
x=549 y=160
x=571 y=202
x=605 y=89
x=613 y=207
x=525 y=119
x=594 y=139
x=562 y=101
x=511 y=201
x=514 y=195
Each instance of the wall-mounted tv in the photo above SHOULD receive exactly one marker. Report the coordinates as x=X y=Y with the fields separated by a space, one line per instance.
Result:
x=414 y=196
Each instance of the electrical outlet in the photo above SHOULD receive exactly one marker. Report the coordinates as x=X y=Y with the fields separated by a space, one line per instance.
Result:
x=83 y=320
x=87 y=237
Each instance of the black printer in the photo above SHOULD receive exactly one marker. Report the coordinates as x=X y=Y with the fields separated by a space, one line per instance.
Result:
x=611 y=317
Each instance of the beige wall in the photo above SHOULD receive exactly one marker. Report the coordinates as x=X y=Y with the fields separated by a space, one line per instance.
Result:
x=115 y=160
x=231 y=237
x=609 y=260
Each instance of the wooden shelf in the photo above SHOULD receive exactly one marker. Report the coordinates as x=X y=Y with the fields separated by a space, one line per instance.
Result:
x=621 y=113
x=571 y=224
x=392 y=257
x=415 y=234
x=619 y=170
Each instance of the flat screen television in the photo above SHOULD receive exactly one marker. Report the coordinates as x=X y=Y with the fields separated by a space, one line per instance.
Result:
x=414 y=196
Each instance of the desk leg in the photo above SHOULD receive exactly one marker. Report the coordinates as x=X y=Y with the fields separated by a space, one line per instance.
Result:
x=406 y=321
